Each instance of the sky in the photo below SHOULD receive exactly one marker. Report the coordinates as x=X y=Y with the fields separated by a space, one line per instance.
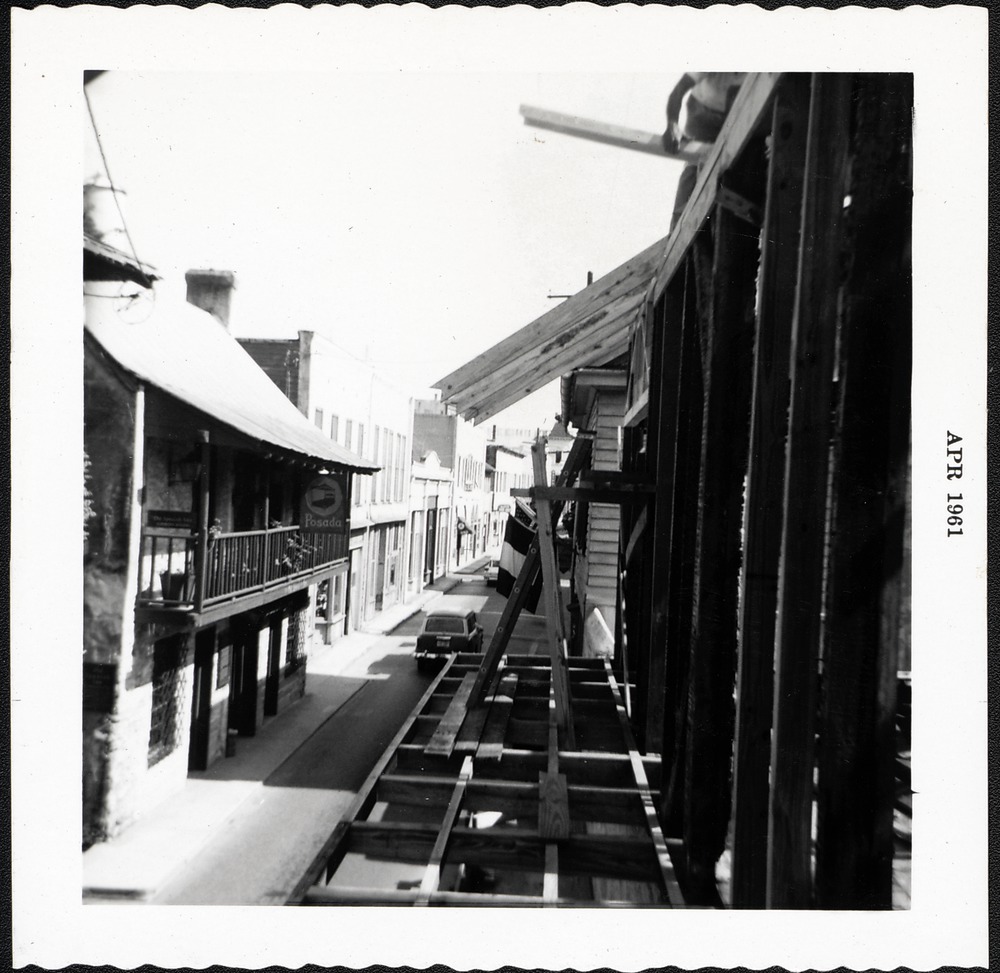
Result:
x=411 y=217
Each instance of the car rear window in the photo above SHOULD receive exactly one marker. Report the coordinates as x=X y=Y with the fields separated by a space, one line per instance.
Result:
x=444 y=625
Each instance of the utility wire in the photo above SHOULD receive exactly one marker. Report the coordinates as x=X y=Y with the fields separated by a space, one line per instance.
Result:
x=114 y=191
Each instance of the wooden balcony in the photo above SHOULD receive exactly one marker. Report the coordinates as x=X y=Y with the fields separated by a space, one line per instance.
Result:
x=181 y=573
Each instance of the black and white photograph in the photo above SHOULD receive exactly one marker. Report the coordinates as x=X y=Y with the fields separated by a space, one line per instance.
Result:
x=523 y=474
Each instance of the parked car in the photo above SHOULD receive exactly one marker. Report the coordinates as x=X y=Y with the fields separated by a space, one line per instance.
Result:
x=491 y=571
x=447 y=630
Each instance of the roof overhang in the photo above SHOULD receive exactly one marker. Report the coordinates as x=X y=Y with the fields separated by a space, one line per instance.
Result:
x=579 y=388
x=101 y=261
x=590 y=328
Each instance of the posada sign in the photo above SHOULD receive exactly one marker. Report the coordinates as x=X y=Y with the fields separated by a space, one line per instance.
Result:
x=324 y=504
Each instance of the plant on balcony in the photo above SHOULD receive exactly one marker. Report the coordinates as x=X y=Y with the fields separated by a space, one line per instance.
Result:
x=296 y=554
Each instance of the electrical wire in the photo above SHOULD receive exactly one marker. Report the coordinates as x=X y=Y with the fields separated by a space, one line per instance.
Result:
x=114 y=191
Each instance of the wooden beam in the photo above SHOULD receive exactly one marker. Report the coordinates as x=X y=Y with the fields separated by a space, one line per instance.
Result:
x=443 y=740
x=626 y=282
x=608 y=134
x=867 y=587
x=727 y=338
x=660 y=847
x=432 y=873
x=764 y=491
x=664 y=403
x=588 y=340
x=555 y=624
x=587 y=493
x=495 y=730
x=800 y=584
x=612 y=856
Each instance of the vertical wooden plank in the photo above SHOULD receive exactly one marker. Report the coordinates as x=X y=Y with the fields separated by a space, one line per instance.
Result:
x=661 y=443
x=856 y=769
x=554 y=622
x=800 y=584
x=578 y=456
x=727 y=340
x=764 y=491
x=681 y=564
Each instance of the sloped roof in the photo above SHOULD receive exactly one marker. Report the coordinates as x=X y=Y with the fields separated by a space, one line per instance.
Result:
x=590 y=328
x=185 y=352
x=101 y=261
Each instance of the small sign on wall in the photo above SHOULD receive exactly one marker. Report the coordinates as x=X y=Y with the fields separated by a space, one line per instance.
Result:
x=324 y=504
x=170 y=519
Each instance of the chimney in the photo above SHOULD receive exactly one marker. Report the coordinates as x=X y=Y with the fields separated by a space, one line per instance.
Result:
x=211 y=290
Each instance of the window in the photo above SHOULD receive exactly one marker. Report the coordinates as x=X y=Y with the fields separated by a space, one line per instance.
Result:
x=334 y=428
x=349 y=434
x=168 y=690
x=319 y=418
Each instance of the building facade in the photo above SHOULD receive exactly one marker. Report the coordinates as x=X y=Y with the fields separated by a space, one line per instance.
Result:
x=211 y=508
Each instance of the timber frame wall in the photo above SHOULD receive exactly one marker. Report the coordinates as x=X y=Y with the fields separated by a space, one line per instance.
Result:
x=766 y=583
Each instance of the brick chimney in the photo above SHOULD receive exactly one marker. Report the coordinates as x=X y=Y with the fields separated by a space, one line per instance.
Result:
x=212 y=291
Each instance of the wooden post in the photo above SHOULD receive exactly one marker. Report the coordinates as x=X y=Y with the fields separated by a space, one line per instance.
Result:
x=201 y=538
x=854 y=847
x=764 y=491
x=681 y=562
x=728 y=318
x=800 y=584
x=554 y=623
x=664 y=389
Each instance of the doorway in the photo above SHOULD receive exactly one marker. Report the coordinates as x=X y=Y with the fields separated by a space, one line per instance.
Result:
x=273 y=676
x=201 y=701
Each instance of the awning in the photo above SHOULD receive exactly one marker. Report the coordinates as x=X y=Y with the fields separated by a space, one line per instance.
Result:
x=590 y=328
x=186 y=353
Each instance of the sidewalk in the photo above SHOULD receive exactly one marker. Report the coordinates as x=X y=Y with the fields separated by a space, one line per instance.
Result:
x=133 y=866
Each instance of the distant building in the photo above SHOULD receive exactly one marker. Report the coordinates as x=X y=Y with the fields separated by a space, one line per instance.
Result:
x=461 y=447
x=350 y=404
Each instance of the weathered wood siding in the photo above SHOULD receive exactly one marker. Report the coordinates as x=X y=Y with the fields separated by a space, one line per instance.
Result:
x=602 y=529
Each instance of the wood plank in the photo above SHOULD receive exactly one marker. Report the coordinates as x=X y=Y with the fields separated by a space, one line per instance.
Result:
x=664 y=392
x=867 y=569
x=432 y=873
x=609 y=134
x=443 y=740
x=514 y=798
x=764 y=493
x=631 y=276
x=661 y=847
x=495 y=731
x=614 y=856
x=541 y=370
x=800 y=583
x=555 y=625
x=588 y=338
x=727 y=336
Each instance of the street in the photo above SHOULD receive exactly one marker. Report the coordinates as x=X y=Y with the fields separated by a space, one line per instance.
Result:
x=264 y=847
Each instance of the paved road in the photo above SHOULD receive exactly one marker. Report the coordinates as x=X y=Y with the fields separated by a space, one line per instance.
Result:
x=265 y=846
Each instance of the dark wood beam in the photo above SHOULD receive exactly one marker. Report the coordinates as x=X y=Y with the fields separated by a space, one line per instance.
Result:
x=800 y=582
x=764 y=493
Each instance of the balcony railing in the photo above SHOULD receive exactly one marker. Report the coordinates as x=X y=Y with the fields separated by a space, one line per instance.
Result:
x=235 y=564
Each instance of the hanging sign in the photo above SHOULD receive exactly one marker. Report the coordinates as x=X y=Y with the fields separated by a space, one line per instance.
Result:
x=324 y=504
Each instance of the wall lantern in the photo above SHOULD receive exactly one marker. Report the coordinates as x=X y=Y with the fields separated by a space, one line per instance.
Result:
x=184 y=468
